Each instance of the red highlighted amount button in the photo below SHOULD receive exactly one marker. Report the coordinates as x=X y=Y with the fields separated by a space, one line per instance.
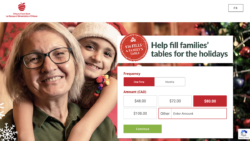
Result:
x=139 y=81
x=210 y=101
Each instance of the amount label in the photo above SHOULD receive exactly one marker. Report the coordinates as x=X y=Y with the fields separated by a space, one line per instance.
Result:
x=175 y=100
x=209 y=100
x=140 y=113
x=140 y=100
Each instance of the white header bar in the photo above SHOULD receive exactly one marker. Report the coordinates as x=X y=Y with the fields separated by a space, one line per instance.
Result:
x=127 y=11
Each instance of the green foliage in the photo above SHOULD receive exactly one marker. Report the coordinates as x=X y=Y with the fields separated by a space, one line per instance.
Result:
x=240 y=32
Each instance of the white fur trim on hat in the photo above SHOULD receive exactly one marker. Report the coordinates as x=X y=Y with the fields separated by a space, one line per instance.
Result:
x=97 y=29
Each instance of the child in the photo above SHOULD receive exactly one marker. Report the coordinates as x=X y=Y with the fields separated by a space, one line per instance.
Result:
x=99 y=45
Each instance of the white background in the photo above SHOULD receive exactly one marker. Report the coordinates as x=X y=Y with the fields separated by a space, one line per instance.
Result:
x=127 y=10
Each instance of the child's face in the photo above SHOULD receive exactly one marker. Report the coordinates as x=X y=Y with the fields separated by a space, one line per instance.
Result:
x=98 y=54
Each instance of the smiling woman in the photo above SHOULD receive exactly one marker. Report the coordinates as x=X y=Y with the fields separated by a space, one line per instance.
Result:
x=41 y=37
x=46 y=66
x=43 y=77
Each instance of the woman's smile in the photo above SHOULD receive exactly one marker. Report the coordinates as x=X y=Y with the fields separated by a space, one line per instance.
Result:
x=53 y=79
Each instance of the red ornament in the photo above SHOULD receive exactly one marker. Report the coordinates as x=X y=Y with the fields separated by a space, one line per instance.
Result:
x=244 y=25
x=237 y=128
x=246 y=123
x=238 y=121
x=96 y=95
x=99 y=79
x=245 y=52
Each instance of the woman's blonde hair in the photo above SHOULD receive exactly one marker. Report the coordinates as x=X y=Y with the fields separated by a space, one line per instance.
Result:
x=13 y=69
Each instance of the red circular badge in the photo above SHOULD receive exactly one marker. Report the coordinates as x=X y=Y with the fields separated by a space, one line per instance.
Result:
x=134 y=47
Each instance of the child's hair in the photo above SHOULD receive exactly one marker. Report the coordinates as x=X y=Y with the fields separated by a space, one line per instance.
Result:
x=108 y=31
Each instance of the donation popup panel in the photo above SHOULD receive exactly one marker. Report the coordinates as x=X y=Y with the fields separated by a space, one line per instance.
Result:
x=162 y=102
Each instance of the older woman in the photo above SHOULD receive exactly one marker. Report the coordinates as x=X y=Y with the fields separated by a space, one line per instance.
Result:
x=46 y=66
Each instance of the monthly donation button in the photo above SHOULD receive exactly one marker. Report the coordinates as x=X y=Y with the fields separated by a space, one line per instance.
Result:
x=142 y=128
x=139 y=81
x=210 y=101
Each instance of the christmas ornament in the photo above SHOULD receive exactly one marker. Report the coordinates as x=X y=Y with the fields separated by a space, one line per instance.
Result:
x=244 y=25
x=222 y=31
x=240 y=24
x=237 y=128
x=99 y=79
x=245 y=52
x=246 y=123
x=103 y=81
x=205 y=64
x=236 y=43
x=238 y=121
x=238 y=82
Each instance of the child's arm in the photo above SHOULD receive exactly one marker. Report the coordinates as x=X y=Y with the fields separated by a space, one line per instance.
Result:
x=23 y=114
x=83 y=130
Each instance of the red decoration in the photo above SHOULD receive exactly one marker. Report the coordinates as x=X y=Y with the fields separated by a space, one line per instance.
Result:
x=244 y=25
x=245 y=52
x=11 y=31
x=246 y=123
x=237 y=128
x=99 y=79
x=238 y=121
x=96 y=95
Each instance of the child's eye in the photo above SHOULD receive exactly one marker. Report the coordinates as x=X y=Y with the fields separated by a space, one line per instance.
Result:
x=89 y=47
x=108 y=54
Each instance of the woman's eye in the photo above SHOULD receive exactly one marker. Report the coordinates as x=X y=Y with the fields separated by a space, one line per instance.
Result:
x=60 y=53
x=33 y=59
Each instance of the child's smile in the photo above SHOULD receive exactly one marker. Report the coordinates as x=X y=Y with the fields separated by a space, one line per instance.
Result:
x=92 y=66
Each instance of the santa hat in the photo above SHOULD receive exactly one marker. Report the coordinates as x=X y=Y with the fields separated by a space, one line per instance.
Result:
x=108 y=31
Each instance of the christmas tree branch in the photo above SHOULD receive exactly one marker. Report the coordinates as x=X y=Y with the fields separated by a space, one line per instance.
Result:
x=243 y=42
x=246 y=31
x=242 y=71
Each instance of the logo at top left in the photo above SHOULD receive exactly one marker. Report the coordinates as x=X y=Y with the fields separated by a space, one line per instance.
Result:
x=23 y=12
x=21 y=6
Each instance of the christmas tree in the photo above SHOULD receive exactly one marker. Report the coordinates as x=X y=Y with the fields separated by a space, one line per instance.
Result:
x=241 y=65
